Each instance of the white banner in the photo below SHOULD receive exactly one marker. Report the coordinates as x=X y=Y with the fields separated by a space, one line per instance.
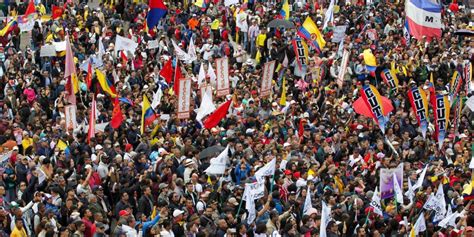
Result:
x=47 y=51
x=267 y=170
x=222 y=66
x=254 y=190
x=180 y=54
x=27 y=25
x=343 y=68
x=70 y=115
x=60 y=46
x=266 y=88
x=219 y=163
x=184 y=98
x=122 y=43
x=230 y=2
x=152 y=44
x=339 y=34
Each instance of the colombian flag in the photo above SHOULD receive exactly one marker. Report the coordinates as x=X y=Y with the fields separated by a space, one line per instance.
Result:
x=370 y=61
x=285 y=11
x=8 y=28
x=311 y=33
x=104 y=83
x=157 y=11
x=148 y=115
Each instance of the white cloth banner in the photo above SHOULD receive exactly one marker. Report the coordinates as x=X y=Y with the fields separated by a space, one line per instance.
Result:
x=268 y=70
x=307 y=202
x=255 y=190
x=184 y=98
x=152 y=44
x=325 y=218
x=250 y=207
x=397 y=189
x=222 y=67
x=343 y=68
x=202 y=75
x=180 y=54
x=192 y=52
x=375 y=203
x=212 y=75
x=267 y=170
x=230 y=2
x=339 y=33
x=26 y=26
x=207 y=106
x=122 y=43
x=60 y=46
x=219 y=163
x=47 y=51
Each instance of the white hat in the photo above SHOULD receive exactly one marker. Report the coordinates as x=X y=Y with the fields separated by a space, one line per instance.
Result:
x=286 y=144
x=462 y=135
x=306 y=115
x=177 y=212
x=249 y=130
x=93 y=157
x=88 y=167
x=98 y=147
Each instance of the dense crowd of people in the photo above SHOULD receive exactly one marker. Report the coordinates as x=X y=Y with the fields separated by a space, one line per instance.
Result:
x=57 y=180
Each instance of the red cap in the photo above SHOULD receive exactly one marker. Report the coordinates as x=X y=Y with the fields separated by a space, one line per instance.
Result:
x=254 y=92
x=287 y=172
x=297 y=175
x=128 y=147
x=124 y=213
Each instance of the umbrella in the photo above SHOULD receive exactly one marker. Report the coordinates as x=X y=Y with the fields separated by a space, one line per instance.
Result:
x=211 y=151
x=464 y=32
x=279 y=23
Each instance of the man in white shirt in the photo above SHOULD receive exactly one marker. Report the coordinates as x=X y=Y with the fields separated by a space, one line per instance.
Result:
x=127 y=229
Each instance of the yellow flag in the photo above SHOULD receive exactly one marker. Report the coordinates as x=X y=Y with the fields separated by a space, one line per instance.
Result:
x=215 y=24
x=61 y=145
x=104 y=83
x=258 y=56
x=283 y=93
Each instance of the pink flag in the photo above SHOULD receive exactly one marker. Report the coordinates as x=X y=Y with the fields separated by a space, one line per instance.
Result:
x=72 y=84
x=91 y=132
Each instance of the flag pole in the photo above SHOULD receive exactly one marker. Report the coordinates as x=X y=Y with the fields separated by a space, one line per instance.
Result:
x=240 y=206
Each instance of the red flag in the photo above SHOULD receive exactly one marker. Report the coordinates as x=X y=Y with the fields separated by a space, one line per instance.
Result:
x=92 y=116
x=124 y=58
x=217 y=116
x=89 y=76
x=177 y=76
x=57 y=12
x=117 y=116
x=167 y=71
x=301 y=127
x=30 y=9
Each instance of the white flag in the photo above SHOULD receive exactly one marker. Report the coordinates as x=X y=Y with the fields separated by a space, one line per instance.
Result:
x=100 y=127
x=218 y=164
x=397 y=189
x=156 y=98
x=212 y=75
x=410 y=193
x=101 y=48
x=450 y=219
x=206 y=107
x=202 y=74
x=192 y=52
x=325 y=218
x=267 y=170
x=419 y=226
x=375 y=203
x=471 y=164
x=26 y=25
x=307 y=202
x=440 y=207
x=419 y=182
x=329 y=15
x=180 y=54
x=250 y=206
x=122 y=43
